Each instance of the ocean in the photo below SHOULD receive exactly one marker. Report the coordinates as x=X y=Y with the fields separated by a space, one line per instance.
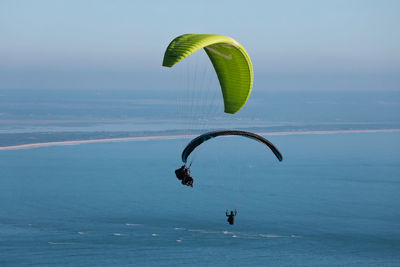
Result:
x=333 y=200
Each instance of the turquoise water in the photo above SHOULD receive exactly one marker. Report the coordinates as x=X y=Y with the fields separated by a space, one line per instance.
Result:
x=333 y=201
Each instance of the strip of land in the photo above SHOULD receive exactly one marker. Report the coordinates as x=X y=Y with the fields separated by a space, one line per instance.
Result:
x=182 y=136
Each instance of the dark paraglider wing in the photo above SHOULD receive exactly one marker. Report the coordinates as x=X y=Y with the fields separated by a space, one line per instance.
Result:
x=207 y=136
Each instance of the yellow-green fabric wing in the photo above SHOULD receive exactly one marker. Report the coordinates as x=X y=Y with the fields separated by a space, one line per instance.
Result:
x=230 y=60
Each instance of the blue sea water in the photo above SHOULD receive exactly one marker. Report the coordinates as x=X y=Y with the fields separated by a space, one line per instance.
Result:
x=42 y=110
x=333 y=201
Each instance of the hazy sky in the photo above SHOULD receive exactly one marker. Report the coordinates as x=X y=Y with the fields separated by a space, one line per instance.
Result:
x=120 y=44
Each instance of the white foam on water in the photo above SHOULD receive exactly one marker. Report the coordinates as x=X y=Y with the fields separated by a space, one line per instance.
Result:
x=197 y=230
x=81 y=233
x=179 y=240
x=209 y=232
x=117 y=234
x=296 y=236
x=60 y=243
x=226 y=232
x=234 y=236
x=247 y=235
x=133 y=224
x=272 y=236
x=154 y=234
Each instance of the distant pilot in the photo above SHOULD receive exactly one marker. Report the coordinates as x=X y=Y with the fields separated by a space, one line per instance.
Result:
x=231 y=216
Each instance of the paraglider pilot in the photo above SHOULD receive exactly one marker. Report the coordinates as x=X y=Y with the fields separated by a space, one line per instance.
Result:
x=230 y=216
x=183 y=174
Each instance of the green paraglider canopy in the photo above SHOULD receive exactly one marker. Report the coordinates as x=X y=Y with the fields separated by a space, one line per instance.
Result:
x=230 y=60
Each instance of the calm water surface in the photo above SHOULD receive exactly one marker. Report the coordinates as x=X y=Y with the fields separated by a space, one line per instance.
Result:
x=333 y=201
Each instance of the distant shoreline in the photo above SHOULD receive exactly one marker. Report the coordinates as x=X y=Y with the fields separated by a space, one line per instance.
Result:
x=181 y=136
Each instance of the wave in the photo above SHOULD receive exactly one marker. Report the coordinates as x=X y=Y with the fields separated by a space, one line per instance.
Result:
x=272 y=236
x=242 y=235
x=194 y=230
x=117 y=234
x=133 y=224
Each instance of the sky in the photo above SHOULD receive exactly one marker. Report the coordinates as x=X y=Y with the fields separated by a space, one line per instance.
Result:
x=294 y=45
